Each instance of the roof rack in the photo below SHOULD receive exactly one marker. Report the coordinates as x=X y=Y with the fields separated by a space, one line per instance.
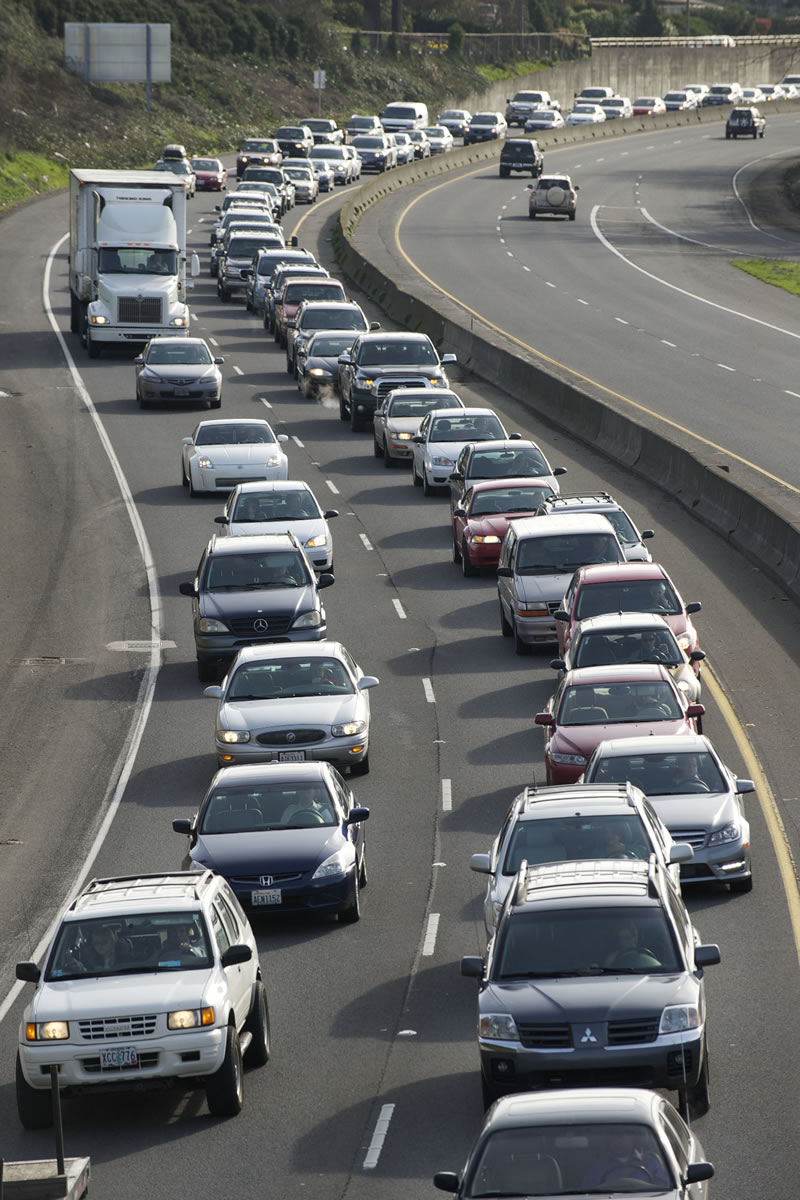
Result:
x=532 y=794
x=130 y=883
x=603 y=497
x=534 y=880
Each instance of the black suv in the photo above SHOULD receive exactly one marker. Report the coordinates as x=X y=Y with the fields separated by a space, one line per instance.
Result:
x=745 y=122
x=595 y=976
x=521 y=154
x=377 y=363
x=252 y=591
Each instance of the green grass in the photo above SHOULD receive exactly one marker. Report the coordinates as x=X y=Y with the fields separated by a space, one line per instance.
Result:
x=25 y=175
x=780 y=274
x=494 y=73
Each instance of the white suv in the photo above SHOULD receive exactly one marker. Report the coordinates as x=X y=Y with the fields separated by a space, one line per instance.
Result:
x=197 y=1003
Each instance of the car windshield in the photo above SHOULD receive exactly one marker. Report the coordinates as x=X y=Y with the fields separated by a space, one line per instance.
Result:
x=329 y=347
x=569 y=1160
x=296 y=504
x=269 y=806
x=290 y=131
x=299 y=173
x=585 y=941
x=177 y=353
x=675 y=97
x=320 y=125
x=416 y=406
x=584 y=108
x=637 y=595
x=255 y=572
x=721 y=91
x=136 y=944
x=613 y=103
x=267 y=266
x=405 y=113
x=295 y=292
x=331 y=152
x=644 y=102
x=240 y=247
x=175 y=165
x=452 y=114
x=466 y=429
x=647 y=645
x=672 y=774
x=437 y=131
x=205 y=164
x=253 y=144
x=333 y=318
x=418 y=353
x=225 y=434
x=124 y=260
x=484 y=119
x=493 y=464
x=619 y=703
x=264 y=175
x=368 y=143
x=561 y=839
x=280 y=679
x=556 y=554
x=509 y=500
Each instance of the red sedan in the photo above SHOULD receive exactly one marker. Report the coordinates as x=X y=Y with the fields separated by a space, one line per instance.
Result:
x=648 y=106
x=210 y=174
x=481 y=520
x=626 y=587
x=592 y=704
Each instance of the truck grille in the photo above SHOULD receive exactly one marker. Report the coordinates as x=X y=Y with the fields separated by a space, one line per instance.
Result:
x=388 y=385
x=103 y=1029
x=276 y=623
x=632 y=1033
x=544 y=1037
x=133 y=311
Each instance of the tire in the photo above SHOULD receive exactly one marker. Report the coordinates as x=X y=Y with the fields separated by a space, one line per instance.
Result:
x=572 y=216
x=455 y=551
x=521 y=648
x=467 y=569
x=415 y=479
x=376 y=450
x=505 y=628
x=215 y=403
x=206 y=671
x=361 y=768
x=74 y=314
x=532 y=214
x=742 y=886
x=35 y=1107
x=224 y=1091
x=363 y=877
x=343 y=413
x=257 y=1024
x=697 y=1097
x=356 y=423
x=142 y=403
x=289 y=365
x=193 y=493
x=351 y=914
x=427 y=488
x=223 y=295
x=248 y=307
x=727 y=136
x=92 y=347
x=504 y=173
x=184 y=477
x=388 y=461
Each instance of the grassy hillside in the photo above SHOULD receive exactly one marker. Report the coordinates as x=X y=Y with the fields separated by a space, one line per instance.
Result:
x=50 y=120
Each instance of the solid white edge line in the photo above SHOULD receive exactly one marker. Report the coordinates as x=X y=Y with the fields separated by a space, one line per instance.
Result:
x=399 y=609
x=447 y=795
x=378 y=1137
x=427 y=687
x=429 y=945
x=130 y=748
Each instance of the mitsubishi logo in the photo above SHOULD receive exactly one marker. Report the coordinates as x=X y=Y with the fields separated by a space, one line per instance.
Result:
x=588 y=1036
x=261 y=626
x=265 y=880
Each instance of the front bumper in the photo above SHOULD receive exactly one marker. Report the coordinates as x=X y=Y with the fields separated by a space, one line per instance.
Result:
x=342 y=751
x=297 y=894
x=109 y=334
x=717 y=864
x=225 y=479
x=220 y=649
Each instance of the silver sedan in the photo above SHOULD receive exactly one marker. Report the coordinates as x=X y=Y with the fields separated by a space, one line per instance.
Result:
x=294 y=703
x=178 y=368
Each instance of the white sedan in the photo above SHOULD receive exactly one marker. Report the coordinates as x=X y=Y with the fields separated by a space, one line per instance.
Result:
x=221 y=454
x=586 y=114
x=285 y=506
x=294 y=702
x=440 y=138
x=544 y=118
x=441 y=437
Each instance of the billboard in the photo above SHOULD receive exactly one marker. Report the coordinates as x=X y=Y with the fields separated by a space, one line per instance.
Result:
x=118 y=53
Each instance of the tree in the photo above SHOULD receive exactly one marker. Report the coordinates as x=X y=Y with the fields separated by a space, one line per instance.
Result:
x=649 y=23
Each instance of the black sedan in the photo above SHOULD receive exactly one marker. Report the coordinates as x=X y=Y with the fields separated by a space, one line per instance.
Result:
x=288 y=837
x=318 y=361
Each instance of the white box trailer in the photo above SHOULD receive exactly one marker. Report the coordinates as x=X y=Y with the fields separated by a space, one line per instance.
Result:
x=127 y=256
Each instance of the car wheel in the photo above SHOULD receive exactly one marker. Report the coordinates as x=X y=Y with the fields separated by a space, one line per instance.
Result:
x=289 y=365
x=427 y=488
x=698 y=1100
x=257 y=1024
x=521 y=648
x=35 y=1107
x=505 y=628
x=184 y=476
x=356 y=422
x=342 y=410
x=532 y=213
x=215 y=403
x=192 y=489
x=142 y=403
x=742 y=885
x=388 y=461
x=376 y=450
x=351 y=914
x=504 y=173
x=572 y=216
x=363 y=877
x=223 y=295
x=361 y=768
x=248 y=305
x=467 y=569
x=207 y=672
x=92 y=347
x=276 y=335
x=224 y=1089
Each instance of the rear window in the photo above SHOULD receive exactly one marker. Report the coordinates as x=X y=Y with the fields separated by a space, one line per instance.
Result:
x=295 y=292
x=335 y=318
x=557 y=554
x=638 y=595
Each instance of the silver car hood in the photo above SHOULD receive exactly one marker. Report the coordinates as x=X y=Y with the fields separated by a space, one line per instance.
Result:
x=285 y=712
x=697 y=810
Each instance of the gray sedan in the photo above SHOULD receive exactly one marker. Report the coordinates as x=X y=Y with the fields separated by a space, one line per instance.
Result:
x=178 y=368
x=399 y=416
x=294 y=703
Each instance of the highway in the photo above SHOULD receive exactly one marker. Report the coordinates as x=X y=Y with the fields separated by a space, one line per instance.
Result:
x=374 y=1021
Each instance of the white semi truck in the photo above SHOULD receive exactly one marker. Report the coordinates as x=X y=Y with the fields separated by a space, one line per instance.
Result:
x=127 y=257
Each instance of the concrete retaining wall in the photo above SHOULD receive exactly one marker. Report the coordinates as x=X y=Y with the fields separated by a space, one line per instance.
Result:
x=758 y=517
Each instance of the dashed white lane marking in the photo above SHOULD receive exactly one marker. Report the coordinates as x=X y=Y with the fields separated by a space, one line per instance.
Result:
x=671 y=345
x=429 y=945
x=378 y=1137
x=546 y=284
x=726 y=368
x=526 y=268
x=447 y=795
x=398 y=608
x=510 y=253
x=332 y=486
x=427 y=687
x=238 y=370
x=213 y=341
x=194 y=316
x=622 y=321
x=582 y=301
x=795 y=394
x=366 y=541
x=297 y=441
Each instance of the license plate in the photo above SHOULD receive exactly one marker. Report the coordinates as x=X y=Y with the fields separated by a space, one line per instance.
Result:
x=120 y=1056
x=292 y=756
x=181 y=391
x=266 y=896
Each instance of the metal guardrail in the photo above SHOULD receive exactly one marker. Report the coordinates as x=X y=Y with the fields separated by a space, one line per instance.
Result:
x=699 y=42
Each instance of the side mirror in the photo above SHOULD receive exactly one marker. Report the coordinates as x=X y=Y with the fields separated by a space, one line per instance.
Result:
x=459 y=512
x=214 y=692
x=561 y=615
x=238 y=953
x=182 y=825
x=577 y=187
x=327 y=580
x=648 y=533
x=218 y=361
x=515 y=437
x=368 y=681
x=697 y=656
x=330 y=513
x=706 y=956
x=374 y=325
x=448 y=358
x=28 y=972
x=680 y=852
x=696 y=710
x=694 y=606
x=472 y=967
x=222 y=520
x=446 y=1181
x=544 y=719
x=293 y=241
x=187 y=441
x=418 y=438
x=505 y=572
x=137 y=362
x=282 y=437
x=187 y=589
x=480 y=863
x=195 y=267
x=291 y=324
x=743 y=786
x=695 y=1172
x=357 y=814
x=559 y=470
x=558 y=664
x=344 y=360
x=456 y=475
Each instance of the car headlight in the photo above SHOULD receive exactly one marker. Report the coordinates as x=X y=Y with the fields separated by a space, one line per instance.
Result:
x=190 y=1018
x=274 y=460
x=315 y=542
x=677 y=1018
x=684 y=686
x=333 y=867
x=367 y=383
x=209 y=625
x=480 y=539
x=438 y=460
x=98 y=320
x=568 y=760
x=179 y=322
x=46 y=1031
x=233 y=736
x=207 y=377
x=684 y=641
x=205 y=463
x=498 y=1027
x=318 y=372
x=349 y=729
x=400 y=437
x=436 y=382
x=148 y=375
x=309 y=620
x=730 y=833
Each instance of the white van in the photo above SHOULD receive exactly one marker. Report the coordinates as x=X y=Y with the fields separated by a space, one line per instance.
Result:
x=402 y=115
x=593 y=95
